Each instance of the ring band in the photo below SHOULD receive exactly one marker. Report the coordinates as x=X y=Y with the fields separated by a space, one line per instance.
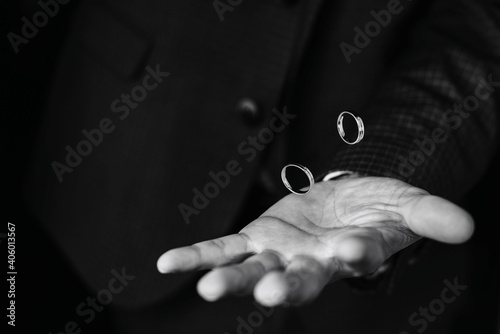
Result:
x=340 y=128
x=302 y=168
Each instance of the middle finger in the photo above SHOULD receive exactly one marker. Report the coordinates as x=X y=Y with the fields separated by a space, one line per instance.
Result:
x=237 y=279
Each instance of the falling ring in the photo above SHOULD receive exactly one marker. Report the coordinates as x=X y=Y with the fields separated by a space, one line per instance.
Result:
x=340 y=128
x=305 y=170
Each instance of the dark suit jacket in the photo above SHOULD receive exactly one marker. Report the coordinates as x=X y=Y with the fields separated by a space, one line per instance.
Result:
x=119 y=207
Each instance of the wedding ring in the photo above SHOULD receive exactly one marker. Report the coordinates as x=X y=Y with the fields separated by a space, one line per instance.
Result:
x=340 y=128
x=305 y=170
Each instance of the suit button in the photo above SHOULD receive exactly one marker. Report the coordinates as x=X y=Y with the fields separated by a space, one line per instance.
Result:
x=249 y=111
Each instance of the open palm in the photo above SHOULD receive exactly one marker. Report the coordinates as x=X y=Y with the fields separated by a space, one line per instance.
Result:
x=341 y=228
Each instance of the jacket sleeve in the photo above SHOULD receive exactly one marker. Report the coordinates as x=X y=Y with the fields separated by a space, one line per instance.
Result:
x=435 y=117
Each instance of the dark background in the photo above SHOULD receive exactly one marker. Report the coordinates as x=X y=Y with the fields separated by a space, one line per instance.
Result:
x=47 y=291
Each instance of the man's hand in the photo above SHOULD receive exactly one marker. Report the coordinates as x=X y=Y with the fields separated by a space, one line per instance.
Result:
x=341 y=228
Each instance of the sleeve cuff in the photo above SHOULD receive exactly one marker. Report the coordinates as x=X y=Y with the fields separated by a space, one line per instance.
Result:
x=336 y=174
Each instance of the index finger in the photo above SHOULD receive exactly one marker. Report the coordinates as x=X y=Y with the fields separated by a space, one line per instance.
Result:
x=207 y=254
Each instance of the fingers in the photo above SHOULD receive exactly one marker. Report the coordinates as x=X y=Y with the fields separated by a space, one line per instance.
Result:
x=305 y=277
x=206 y=254
x=438 y=219
x=360 y=255
x=302 y=281
x=272 y=289
x=237 y=279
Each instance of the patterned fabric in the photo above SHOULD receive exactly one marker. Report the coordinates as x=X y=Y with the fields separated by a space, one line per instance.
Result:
x=452 y=53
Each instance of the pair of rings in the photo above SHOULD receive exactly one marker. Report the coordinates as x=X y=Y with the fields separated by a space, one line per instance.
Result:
x=340 y=128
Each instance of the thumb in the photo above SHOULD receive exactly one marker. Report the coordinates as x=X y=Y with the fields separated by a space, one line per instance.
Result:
x=436 y=218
